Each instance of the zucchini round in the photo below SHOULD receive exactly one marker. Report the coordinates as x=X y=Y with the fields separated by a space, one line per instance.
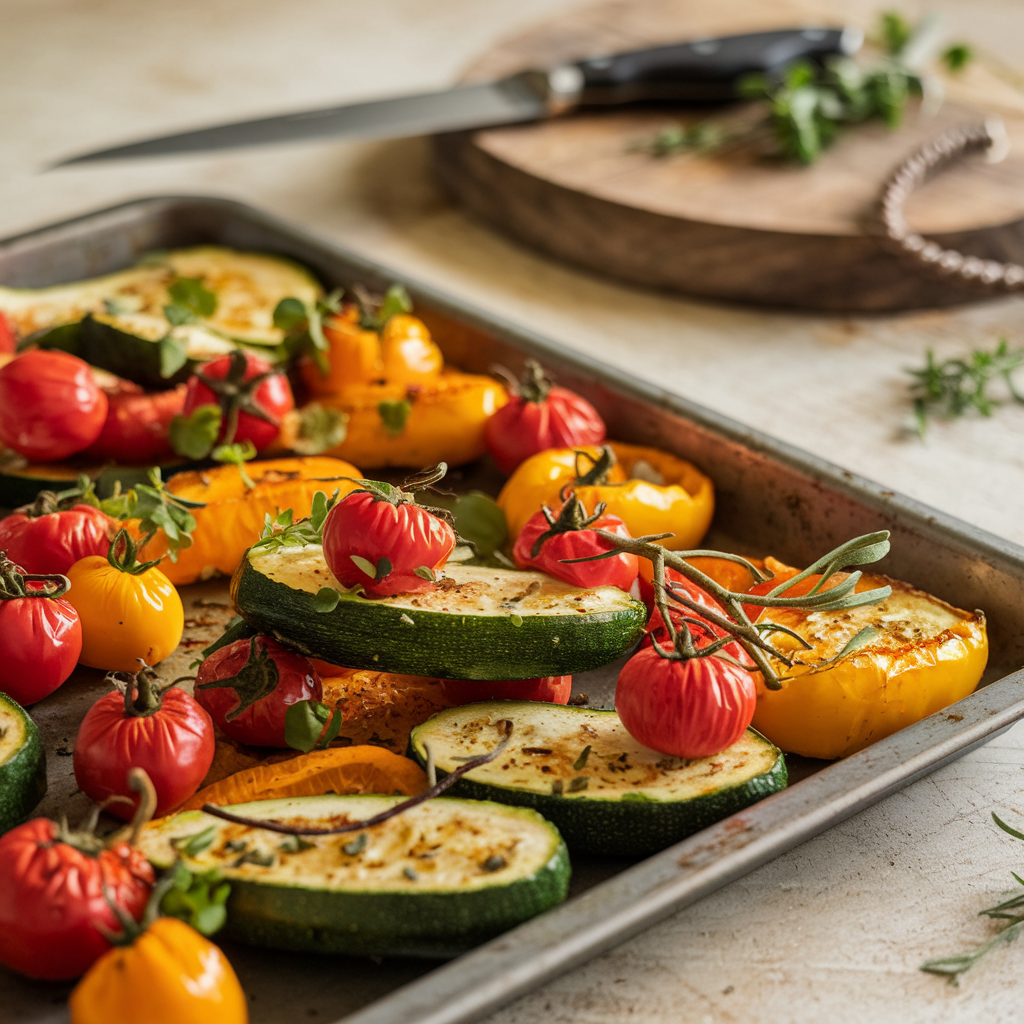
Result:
x=22 y=764
x=433 y=881
x=607 y=793
x=479 y=623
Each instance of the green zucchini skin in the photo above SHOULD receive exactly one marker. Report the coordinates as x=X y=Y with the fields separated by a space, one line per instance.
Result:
x=369 y=635
x=23 y=773
x=629 y=827
x=307 y=913
x=422 y=924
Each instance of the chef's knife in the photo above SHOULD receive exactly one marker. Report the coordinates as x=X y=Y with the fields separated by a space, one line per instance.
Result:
x=701 y=71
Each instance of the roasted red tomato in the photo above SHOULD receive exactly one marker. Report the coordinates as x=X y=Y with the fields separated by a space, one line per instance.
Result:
x=51 y=534
x=249 y=685
x=136 y=430
x=550 y=540
x=8 y=342
x=552 y=689
x=50 y=406
x=538 y=416
x=692 y=708
x=40 y=634
x=165 y=732
x=379 y=538
x=54 y=887
x=253 y=397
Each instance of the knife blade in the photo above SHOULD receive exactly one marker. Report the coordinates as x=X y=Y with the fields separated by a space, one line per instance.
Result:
x=699 y=70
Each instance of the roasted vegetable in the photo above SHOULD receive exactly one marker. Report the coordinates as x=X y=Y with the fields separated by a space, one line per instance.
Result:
x=22 y=764
x=650 y=490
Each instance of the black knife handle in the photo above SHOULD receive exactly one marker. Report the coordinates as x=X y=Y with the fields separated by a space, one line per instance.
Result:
x=704 y=70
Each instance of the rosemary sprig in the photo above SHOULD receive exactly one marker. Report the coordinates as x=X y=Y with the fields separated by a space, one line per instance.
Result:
x=736 y=624
x=1011 y=910
x=952 y=387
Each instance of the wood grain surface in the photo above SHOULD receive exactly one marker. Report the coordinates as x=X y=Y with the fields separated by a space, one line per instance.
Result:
x=737 y=225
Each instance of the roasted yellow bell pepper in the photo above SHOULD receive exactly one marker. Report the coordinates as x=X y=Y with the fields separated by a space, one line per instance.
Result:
x=401 y=353
x=650 y=490
x=233 y=513
x=170 y=974
x=924 y=656
x=396 y=425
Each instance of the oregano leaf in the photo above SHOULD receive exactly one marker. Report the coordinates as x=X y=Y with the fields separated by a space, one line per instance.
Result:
x=394 y=415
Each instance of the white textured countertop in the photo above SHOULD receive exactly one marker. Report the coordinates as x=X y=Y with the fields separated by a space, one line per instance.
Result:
x=834 y=930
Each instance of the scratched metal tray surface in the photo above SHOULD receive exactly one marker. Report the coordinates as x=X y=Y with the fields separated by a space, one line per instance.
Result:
x=771 y=498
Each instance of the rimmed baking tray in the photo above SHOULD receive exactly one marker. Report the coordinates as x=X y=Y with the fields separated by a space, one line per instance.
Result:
x=772 y=498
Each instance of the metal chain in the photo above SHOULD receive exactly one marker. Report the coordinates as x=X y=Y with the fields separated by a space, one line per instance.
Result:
x=949 y=148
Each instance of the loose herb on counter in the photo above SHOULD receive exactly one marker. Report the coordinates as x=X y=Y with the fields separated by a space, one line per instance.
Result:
x=1011 y=911
x=951 y=387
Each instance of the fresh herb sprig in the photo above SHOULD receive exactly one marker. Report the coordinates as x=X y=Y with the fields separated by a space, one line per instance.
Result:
x=807 y=105
x=952 y=387
x=1011 y=911
x=157 y=510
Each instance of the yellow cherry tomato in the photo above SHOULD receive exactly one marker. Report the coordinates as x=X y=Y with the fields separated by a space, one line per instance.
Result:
x=650 y=490
x=408 y=354
x=170 y=974
x=924 y=656
x=125 y=615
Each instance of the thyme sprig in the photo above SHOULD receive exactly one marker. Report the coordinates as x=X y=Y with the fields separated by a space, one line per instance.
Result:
x=736 y=625
x=1011 y=910
x=952 y=387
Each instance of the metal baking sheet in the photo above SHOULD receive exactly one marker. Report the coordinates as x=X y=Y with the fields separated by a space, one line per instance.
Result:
x=771 y=498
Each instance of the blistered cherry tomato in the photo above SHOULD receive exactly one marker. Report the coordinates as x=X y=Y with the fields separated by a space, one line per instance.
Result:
x=551 y=540
x=165 y=733
x=54 y=888
x=552 y=689
x=248 y=686
x=45 y=538
x=40 y=634
x=538 y=416
x=50 y=405
x=136 y=429
x=379 y=538
x=692 y=708
x=252 y=395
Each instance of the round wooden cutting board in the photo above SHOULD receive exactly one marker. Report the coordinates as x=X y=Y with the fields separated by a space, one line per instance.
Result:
x=737 y=227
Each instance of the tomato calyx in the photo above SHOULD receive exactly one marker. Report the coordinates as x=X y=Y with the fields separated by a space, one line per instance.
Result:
x=533 y=386
x=13 y=580
x=123 y=555
x=571 y=517
x=600 y=467
x=48 y=502
x=236 y=395
x=256 y=679
x=376 y=310
x=405 y=493
x=86 y=841
x=142 y=698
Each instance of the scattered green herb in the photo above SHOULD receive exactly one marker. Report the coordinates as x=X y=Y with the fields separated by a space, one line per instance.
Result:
x=579 y=783
x=807 y=105
x=257 y=857
x=581 y=762
x=494 y=863
x=394 y=415
x=1011 y=911
x=282 y=531
x=305 y=722
x=295 y=844
x=197 y=898
x=355 y=846
x=952 y=387
x=195 y=844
